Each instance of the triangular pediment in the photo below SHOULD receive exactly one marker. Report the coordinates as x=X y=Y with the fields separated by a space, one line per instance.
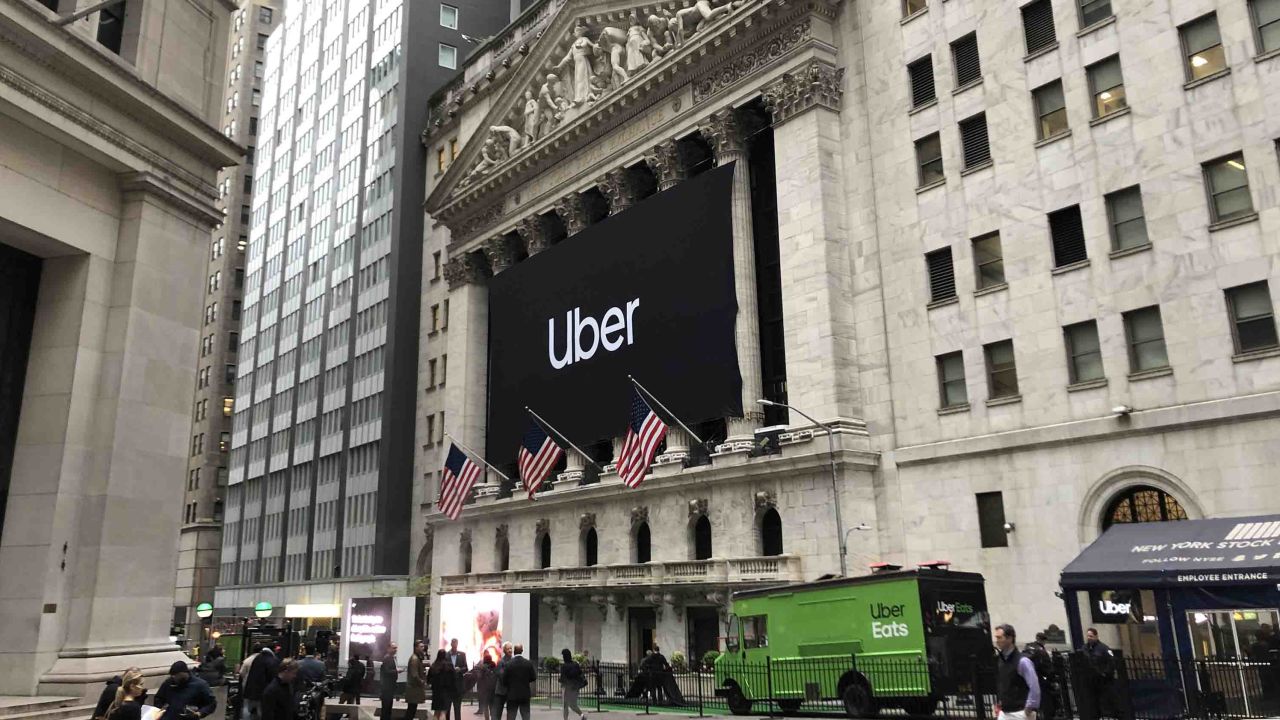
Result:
x=590 y=57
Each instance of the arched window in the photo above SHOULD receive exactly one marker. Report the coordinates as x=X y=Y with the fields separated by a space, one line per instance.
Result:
x=544 y=551
x=464 y=553
x=1143 y=503
x=504 y=554
x=590 y=547
x=642 y=554
x=770 y=533
x=702 y=538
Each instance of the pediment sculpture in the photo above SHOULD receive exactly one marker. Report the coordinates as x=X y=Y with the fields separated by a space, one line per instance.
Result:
x=601 y=57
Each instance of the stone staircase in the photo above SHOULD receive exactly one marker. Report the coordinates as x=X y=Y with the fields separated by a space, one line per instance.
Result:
x=44 y=708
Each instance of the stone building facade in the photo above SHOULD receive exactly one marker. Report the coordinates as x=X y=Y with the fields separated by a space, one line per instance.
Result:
x=1027 y=268
x=109 y=154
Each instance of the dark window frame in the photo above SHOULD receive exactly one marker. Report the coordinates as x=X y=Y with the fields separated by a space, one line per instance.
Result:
x=1037 y=99
x=922 y=179
x=992 y=371
x=978 y=265
x=1256 y=23
x=963 y=43
x=1213 y=193
x=1034 y=11
x=1188 y=54
x=1232 y=314
x=968 y=128
x=1085 y=22
x=940 y=362
x=916 y=72
x=991 y=519
x=1109 y=200
x=1131 y=344
x=1073 y=353
x=938 y=291
x=1091 y=71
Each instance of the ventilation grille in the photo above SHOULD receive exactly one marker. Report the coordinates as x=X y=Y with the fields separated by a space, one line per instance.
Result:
x=973 y=135
x=965 y=54
x=1037 y=24
x=942 y=276
x=1068 y=236
x=922 y=90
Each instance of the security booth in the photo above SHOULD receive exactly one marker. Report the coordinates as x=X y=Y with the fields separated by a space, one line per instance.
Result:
x=1191 y=610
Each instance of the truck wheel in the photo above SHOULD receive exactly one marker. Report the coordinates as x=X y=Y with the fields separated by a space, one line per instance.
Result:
x=737 y=702
x=920 y=707
x=858 y=702
x=789 y=707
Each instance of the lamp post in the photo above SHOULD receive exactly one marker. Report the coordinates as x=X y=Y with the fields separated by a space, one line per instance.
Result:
x=204 y=611
x=835 y=492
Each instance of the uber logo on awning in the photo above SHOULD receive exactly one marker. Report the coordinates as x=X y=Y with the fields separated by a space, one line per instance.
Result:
x=1115 y=607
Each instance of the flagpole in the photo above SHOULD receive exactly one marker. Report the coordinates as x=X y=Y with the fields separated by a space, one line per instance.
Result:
x=561 y=435
x=664 y=409
x=477 y=456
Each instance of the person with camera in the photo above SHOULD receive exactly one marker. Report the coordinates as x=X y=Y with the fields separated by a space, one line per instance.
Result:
x=278 y=701
x=183 y=697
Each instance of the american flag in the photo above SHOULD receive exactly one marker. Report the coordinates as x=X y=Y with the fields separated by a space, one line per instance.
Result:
x=455 y=486
x=644 y=434
x=538 y=455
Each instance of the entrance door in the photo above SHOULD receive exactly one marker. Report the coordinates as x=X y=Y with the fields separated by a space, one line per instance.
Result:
x=704 y=632
x=642 y=623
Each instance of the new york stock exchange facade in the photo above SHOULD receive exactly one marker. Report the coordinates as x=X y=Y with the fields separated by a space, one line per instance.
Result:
x=721 y=200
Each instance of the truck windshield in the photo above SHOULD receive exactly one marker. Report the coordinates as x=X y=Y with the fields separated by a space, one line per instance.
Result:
x=755 y=632
x=731 y=634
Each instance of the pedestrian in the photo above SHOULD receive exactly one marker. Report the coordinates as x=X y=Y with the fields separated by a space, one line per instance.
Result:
x=486 y=680
x=1101 y=662
x=1017 y=687
x=519 y=676
x=311 y=667
x=262 y=670
x=213 y=668
x=415 y=681
x=126 y=703
x=278 y=702
x=388 y=673
x=352 y=681
x=500 y=684
x=108 y=694
x=458 y=660
x=1042 y=661
x=444 y=684
x=571 y=681
x=183 y=697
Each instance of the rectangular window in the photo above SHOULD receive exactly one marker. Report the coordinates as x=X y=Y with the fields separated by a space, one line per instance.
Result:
x=923 y=91
x=1051 y=110
x=951 y=387
x=435 y=265
x=1067 y=231
x=264 y=15
x=1202 y=47
x=991 y=520
x=1266 y=24
x=1094 y=11
x=988 y=260
x=964 y=53
x=448 y=56
x=435 y=318
x=1125 y=215
x=1145 y=335
x=973 y=136
x=942 y=276
x=1084 y=354
x=929 y=159
x=1228 y=184
x=1037 y=25
x=1002 y=371
x=453 y=149
x=262 y=41
x=1253 y=322
x=440 y=163
x=448 y=16
x=1106 y=83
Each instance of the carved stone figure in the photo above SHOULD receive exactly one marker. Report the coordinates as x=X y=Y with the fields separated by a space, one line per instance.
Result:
x=614 y=41
x=532 y=122
x=579 y=57
x=491 y=154
x=638 y=45
x=662 y=37
x=551 y=98
x=701 y=12
x=515 y=140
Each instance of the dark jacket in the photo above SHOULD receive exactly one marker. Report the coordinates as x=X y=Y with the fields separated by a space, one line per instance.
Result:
x=444 y=682
x=500 y=683
x=387 y=674
x=131 y=710
x=519 y=676
x=486 y=680
x=354 y=678
x=261 y=672
x=175 y=698
x=278 y=702
x=1011 y=689
x=571 y=674
x=460 y=668
x=107 y=697
x=311 y=669
x=415 y=680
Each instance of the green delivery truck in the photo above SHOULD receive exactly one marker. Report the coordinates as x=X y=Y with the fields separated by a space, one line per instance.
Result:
x=896 y=638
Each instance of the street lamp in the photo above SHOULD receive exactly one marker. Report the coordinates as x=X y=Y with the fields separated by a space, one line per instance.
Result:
x=262 y=609
x=204 y=610
x=835 y=493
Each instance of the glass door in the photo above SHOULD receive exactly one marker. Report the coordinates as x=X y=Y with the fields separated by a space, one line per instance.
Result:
x=1232 y=650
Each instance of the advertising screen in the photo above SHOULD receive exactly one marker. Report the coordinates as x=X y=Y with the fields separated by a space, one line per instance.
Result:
x=648 y=292
x=369 y=629
x=476 y=621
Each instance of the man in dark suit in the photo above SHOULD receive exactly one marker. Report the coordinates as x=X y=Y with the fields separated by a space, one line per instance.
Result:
x=458 y=659
x=519 y=676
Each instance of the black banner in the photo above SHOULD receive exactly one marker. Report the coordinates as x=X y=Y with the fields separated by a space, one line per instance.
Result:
x=647 y=292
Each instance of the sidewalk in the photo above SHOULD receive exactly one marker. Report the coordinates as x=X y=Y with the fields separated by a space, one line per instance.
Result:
x=540 y=710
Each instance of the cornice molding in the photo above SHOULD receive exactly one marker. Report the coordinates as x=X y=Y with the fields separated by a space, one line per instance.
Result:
x=151 y=184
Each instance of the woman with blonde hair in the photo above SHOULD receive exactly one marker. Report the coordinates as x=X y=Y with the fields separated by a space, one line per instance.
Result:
x=128 y=702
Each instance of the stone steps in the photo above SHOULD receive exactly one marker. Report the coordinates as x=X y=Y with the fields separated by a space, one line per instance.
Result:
x=46 y=708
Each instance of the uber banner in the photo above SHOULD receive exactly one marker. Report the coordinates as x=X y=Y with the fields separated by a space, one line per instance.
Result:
x=647 y=292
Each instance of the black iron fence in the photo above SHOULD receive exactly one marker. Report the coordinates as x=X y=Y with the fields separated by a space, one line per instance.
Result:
x=1072 y=686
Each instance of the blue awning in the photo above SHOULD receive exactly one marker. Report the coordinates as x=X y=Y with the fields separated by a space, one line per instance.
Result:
x=1218 y=551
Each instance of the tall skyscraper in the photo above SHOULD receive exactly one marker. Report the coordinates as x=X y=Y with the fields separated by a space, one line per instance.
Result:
x=207 y=470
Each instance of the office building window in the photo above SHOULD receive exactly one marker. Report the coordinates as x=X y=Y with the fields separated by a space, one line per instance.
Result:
x=264 y=15
x=435 y=265
x=448 y=56
x=991 y=520
x=1084 y=354
x=1227 y=182
x=923 y=91
x=1125 y=215
x=1093 y=11
x=453 y=149
x=988 y=260
x=1002 y=371
x=111 y=25
x=1253 y=322
x=911 y=7
x=1145 y=335
x=1266 y=24
x=951 y=387
x=440 y=161
x=1202 y=47
x=1037 y=25
x=929 y=159
x=942 y=276
x=262 y=41
x=1067 y=231
x=973 y=136
x=1106 y=84
x=1051 y=110
x=448 y=16
x=964 y=54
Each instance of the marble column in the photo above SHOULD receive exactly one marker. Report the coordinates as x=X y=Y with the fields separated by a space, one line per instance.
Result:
x=572 y=209
x=613 y=632
x=468 y=342
x=669 y=168
x=563 y=627
x=618 y=189
x=670 y=634
x=726 y=134
x=817 y=275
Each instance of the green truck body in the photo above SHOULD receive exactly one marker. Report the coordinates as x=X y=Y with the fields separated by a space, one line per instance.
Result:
x=891 y=639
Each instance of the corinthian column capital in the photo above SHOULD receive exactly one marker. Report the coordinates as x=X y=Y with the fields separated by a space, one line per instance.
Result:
x=572 y=210
x=726 y=133
x=817 y=84
x=667 y=165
